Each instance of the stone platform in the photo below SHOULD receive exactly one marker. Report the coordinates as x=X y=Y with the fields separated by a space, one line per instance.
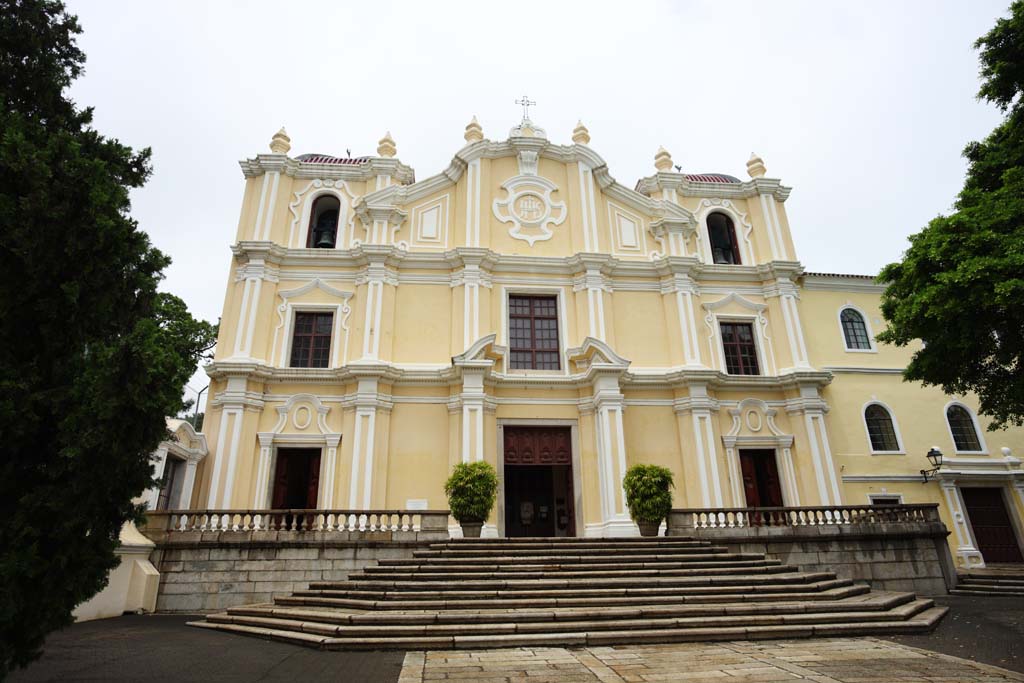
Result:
x=476 y=593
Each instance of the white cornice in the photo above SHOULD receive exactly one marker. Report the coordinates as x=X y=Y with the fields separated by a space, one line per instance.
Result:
x=367 y=170
x=841 y=283
x=691 y=188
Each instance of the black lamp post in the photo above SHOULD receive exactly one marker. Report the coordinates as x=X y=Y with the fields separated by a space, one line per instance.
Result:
x=935 y=458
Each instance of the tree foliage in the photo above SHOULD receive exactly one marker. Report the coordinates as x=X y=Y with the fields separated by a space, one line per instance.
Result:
x=960 y=285
x=648 y=492
x=471 y=490
x=92 y=356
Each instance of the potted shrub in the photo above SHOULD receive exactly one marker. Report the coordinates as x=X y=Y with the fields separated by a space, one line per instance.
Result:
x=648 y=496
x=471 y=491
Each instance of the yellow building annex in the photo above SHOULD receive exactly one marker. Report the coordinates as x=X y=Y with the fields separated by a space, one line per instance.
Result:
x=525 y=308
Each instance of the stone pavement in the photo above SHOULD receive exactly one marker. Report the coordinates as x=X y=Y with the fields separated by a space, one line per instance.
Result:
x=840 y=660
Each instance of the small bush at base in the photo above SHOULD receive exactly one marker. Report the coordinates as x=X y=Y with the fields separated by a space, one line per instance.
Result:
x=648 y=492
x=471 y=490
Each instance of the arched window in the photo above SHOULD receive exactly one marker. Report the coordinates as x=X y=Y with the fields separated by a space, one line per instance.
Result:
x=855 y=331
x=323 y=223
x=881 y=430
x=961 y=425
x=722 y=233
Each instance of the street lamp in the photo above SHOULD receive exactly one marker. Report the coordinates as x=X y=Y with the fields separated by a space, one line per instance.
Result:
x=934 y=456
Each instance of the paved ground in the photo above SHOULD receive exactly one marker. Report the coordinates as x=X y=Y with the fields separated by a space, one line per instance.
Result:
x=161 y=648
x=841 y=660
x=989 y=630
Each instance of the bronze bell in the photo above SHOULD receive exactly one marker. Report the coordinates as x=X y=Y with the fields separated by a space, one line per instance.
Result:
x=326 y=230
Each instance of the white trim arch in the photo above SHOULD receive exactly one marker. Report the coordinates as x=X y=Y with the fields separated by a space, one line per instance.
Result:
x=305 y=197
x=867 y=329
x=901 y=450
x=974 y=421
x=741 y=224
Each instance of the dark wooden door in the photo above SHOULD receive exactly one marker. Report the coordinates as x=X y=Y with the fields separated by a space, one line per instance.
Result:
x=760 y=478
x=296 y=479
x=538 y=482
x=990 y=521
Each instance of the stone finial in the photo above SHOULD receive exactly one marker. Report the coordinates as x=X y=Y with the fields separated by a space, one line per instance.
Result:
x=474 y=132
x=280 y=143
x=755 y=166
x=386 y=146
x=580 y=134
x=663 y=160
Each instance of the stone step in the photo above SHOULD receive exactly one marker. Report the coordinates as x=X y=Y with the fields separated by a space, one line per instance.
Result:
x=990 y=581
x=628 y=560
x=511 y=625
x=518 y=573
x=630 y=590
x=536 y=585
x=988 y=591
x=864 y=601
x=572 y=567
x=822 y=590
x=606 y=546
x=618 y=552
x=918 y=622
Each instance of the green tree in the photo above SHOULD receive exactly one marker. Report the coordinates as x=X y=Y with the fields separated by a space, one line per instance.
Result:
x=92 y=356
x=960 y=285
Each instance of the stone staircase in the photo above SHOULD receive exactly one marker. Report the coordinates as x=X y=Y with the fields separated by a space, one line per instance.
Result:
x=994 y=582
x=473 y=593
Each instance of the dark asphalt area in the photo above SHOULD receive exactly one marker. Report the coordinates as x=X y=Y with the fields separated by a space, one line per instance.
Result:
x=983 y=629
x=162 y=648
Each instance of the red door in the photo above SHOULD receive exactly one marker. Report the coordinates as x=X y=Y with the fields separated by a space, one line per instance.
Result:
x=296 y=479
x=760 y=478
x=991 y=524
x=538 y=482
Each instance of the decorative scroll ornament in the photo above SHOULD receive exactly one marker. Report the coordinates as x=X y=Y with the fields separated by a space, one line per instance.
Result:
x=529 y=208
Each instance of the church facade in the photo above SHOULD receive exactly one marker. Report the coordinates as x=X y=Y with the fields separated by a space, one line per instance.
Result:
x=524 y=308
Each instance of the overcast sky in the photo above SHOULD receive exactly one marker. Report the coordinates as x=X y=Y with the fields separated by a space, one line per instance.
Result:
x=863 y=108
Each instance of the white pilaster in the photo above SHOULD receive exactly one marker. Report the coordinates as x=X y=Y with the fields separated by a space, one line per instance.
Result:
x=967 y=552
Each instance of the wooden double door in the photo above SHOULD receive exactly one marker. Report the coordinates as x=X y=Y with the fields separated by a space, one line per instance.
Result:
x=760 y=478
x=990 y=521
x=538 y=482
x=296 y=479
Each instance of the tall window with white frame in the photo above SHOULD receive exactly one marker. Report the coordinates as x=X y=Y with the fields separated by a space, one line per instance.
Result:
x=739 y=348
x=725 y=248
x=961 y=424
x=533 y=332
x=881 y=430
x=855 y=330
x=311 y=341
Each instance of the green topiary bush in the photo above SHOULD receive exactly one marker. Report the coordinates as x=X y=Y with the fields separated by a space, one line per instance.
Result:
x=648 y=492
x=471 y=491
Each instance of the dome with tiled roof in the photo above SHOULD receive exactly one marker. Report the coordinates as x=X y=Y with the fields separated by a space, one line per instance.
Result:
x=712 y=178
x=327 y=159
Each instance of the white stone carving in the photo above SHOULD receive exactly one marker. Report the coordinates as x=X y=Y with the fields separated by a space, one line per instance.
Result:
x=529 y=208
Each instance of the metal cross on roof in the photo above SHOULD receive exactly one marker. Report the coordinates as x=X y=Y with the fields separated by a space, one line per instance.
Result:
x=526 y=102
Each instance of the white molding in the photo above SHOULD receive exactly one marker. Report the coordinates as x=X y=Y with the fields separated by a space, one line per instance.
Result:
x=286 y=316
x=551 y=215
x=741 y=225
x=870 y=478
x=618 y=247
x=977 y=428
x=442 y=206
x=560 y=293
x=305 y=198
x=867 y=329
x=862 y=370
x=901 y=450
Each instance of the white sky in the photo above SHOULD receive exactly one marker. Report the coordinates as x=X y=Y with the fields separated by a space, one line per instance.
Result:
x=863 y=108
